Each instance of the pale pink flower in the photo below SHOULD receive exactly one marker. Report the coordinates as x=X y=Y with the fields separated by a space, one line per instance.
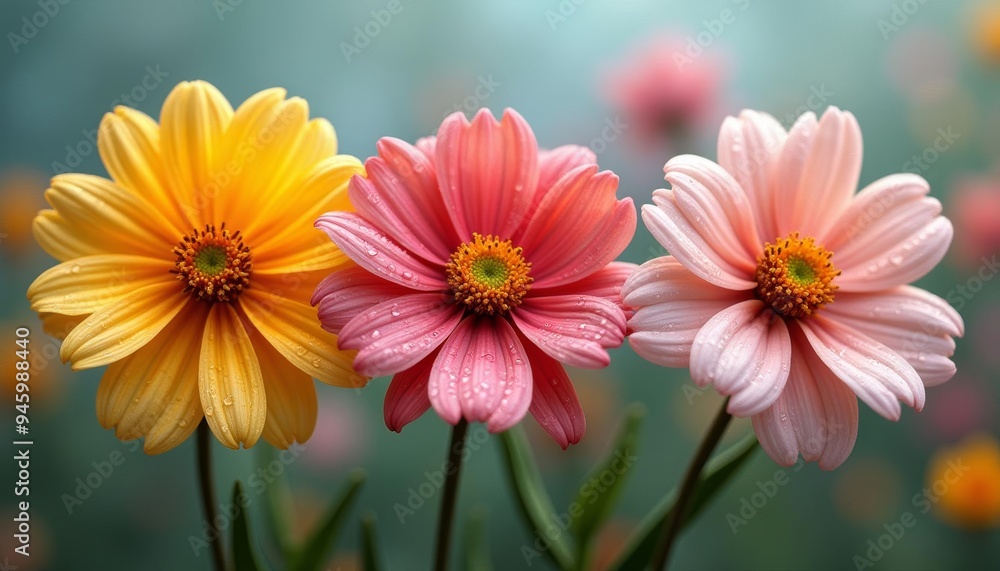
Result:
x=484 y=263
x=975 y=206
x=753 y=300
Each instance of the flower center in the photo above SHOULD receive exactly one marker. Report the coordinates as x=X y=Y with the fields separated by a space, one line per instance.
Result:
x=213 y=264
x=795 y=276
x=488 y=275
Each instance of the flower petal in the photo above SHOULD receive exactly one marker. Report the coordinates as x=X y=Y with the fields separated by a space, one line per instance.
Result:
x=816 y=415
x=293 y=330
x=291 y=397
x=817 y=172
x=401 y=195
x=745 y=352
x=578 y=228
x=153 y=393
x=875 y=373
x=554 y=403
x=406 y=398
x=230 y=381
x=487 y=171
x=371 y=249
x=397 y=333
x=573 y=329
x=62 y=241
x=88 y=284
x=748 y=148
x=119 y=330
x=554 y=163
x=912 y=322
x=672 y=305
x=192 y=122
x=482 y=374
x=344 y=294
x=606 y=283
x=717 y=208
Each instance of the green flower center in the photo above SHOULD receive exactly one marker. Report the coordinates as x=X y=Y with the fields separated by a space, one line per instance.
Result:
x=213 y=264
x=210 y=260
x=489 y=271
x=488 y=275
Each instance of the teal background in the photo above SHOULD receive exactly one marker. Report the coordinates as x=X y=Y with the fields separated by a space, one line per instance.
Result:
x=427 y=59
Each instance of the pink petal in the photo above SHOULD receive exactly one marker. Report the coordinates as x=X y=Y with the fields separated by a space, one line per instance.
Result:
x=554 y=403
x=816 y=415
x=879 y=376
x=745 y=352
x=427 y=146
x=406 y=398
x=400 y=194
x=342 y=295
x=372 y=250
x=606 y=282
x=553 y=164
x=673 y=231
x=578 y=228
x=487 y=171
x=573 y=329
x=672 y=305
x=716 y=207
x=748 y=149
x=890 y=235
x=482 y=374
x=917 y=325
x=817 y=172
x=396 y=334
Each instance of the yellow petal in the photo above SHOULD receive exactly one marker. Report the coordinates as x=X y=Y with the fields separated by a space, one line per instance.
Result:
x=121 y=329
x=62 y=241
x=129 y=144
x=194 y=117
x=59 y=325
x=153 y=393
x=99 y=211
x=88 y=284
x=294 y=330
x=230 y=381
x=291 y=397
x=320 y=253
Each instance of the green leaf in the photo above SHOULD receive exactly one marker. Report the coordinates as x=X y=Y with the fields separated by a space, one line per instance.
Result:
x=718 y=472
x=476 y=544
x=312 y=555
x=598 y=506
x=536 y=507
x=277 y=500
x=369 y=543
x=244 y=557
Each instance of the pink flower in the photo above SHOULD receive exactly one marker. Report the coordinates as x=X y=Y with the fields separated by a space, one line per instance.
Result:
x=661 y=90
x=484 y=263
x=976 y=209
x=754 y=300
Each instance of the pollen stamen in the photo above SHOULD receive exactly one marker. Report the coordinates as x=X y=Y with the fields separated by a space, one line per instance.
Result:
x=488 y=275
x=214 y=264
x=795 y=276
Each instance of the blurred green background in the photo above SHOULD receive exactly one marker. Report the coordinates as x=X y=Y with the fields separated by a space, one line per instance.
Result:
x=909 y=70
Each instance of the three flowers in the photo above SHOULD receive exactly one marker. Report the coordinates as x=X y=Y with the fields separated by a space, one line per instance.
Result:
x=473 y=265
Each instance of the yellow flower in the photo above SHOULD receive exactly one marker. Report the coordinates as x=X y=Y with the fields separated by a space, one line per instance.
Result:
x=966 y=481
x=190 y=271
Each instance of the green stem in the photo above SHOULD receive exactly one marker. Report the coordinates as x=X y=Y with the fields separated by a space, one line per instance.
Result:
x=453 y=470
x=208 y=493
x=689 y=486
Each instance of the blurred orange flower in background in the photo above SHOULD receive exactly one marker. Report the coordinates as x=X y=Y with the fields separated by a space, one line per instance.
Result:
x=970 y=472
x=19 y=189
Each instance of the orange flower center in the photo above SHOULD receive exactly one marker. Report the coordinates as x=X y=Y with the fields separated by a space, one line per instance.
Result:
x=795 y=276
x=488 y=275
x=213 y=264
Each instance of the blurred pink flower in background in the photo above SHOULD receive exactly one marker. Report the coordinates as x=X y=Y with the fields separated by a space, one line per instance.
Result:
x=975 y=207
x=962 y=406
x=662 y=91
x=754 y=301
x=341 y=435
